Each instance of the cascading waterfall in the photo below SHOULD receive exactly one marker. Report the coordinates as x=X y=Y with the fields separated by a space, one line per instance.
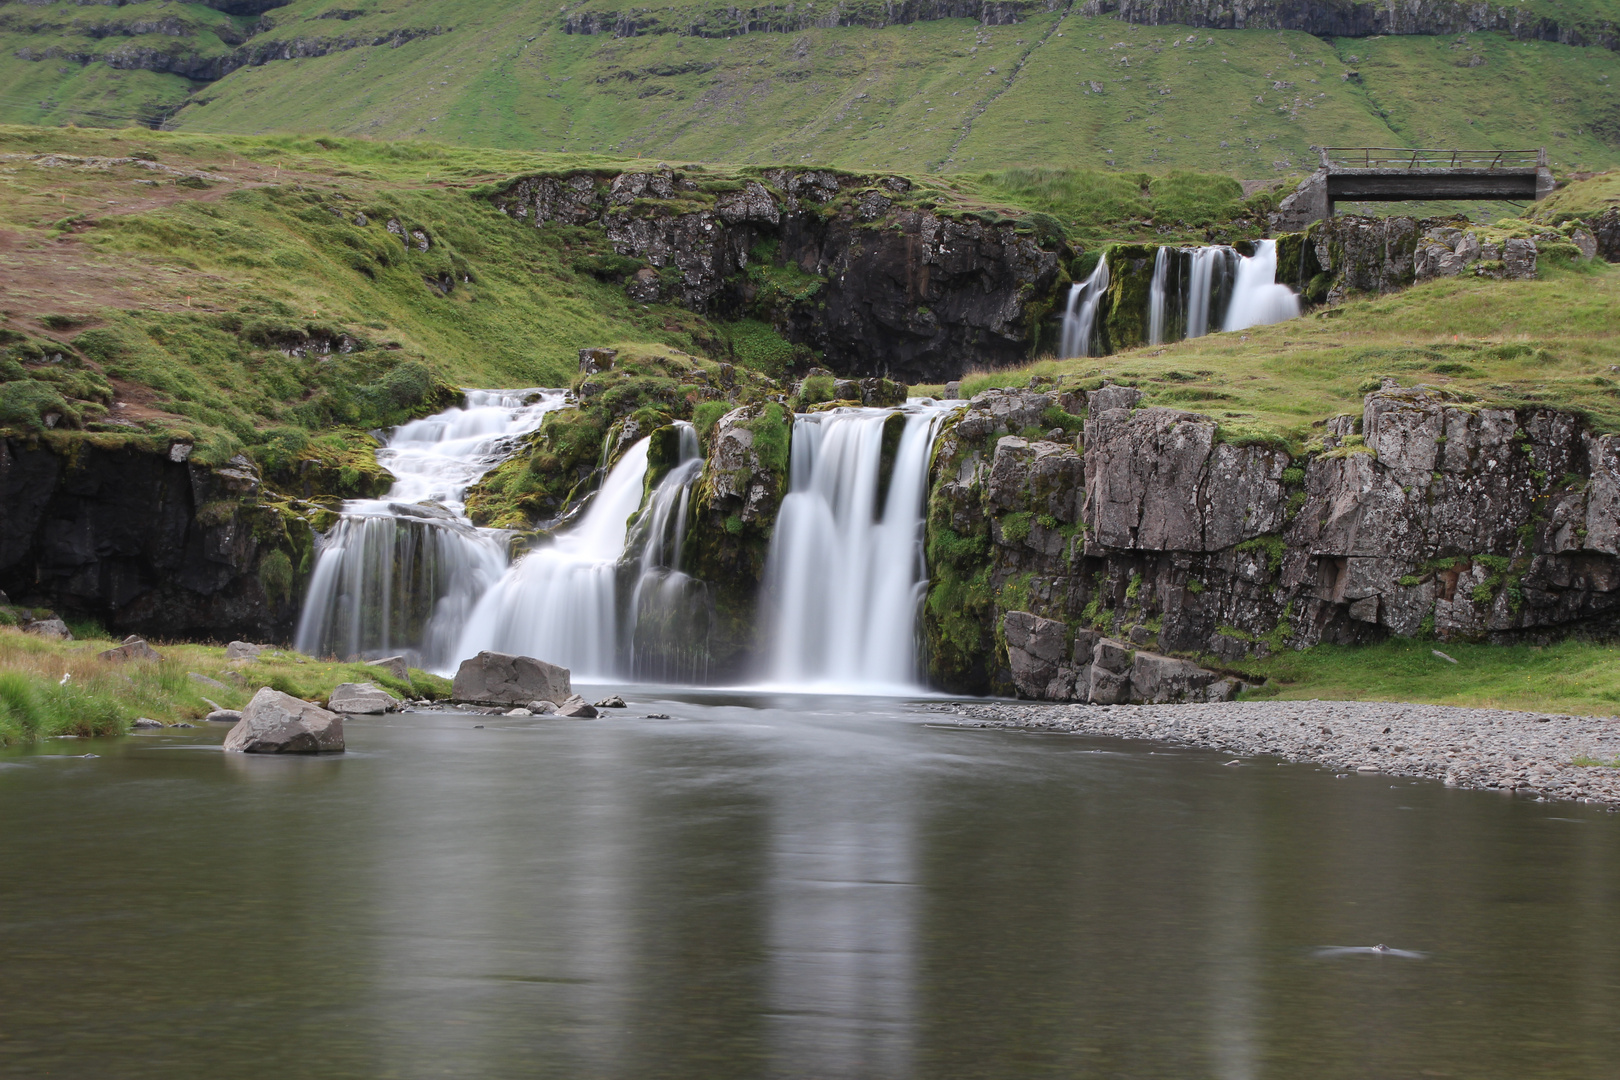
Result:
x=1080 y=315
x=1156 y=296
x=669 y=613
x=1257 y=298
x=560 y=602
x=845 y=572
x=1206 y=281
x=401 y=574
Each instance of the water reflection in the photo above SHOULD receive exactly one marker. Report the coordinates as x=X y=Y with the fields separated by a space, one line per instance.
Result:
x=784 y=887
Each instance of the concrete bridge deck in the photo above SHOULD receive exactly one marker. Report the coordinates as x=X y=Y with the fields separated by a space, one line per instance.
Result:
x=1389 y=174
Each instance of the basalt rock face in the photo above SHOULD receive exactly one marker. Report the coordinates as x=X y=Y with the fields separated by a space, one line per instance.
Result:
x=1349 y=18
x=1379 y=255
x=834 y=262
x=146 y=543
x=1424 y=515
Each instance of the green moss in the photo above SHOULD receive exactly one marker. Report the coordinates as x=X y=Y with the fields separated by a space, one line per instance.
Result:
x=1015 y=528
x=276 y=577
x=1272 y=545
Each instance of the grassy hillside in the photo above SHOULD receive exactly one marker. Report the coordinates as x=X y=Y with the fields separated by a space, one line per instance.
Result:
x=938 y=96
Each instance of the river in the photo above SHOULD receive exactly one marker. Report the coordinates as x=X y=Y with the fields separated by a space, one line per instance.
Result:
x=782 y=886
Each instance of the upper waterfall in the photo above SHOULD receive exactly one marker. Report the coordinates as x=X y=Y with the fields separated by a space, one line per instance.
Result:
x=845 y=573
x=401 y=574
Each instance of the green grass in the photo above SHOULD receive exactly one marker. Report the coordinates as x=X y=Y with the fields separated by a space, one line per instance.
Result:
x=1551 y=341
x=1575 y=677
x=938 y=96
x=102 y=697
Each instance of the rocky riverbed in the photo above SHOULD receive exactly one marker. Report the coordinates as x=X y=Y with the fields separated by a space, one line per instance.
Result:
x=1531 y=754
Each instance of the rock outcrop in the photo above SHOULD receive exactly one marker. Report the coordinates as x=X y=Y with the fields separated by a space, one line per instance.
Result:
x=493 y=678
x=278 y=723
x=835 y=262
x=133 y=648
x=1424 y=515
x=146 y=541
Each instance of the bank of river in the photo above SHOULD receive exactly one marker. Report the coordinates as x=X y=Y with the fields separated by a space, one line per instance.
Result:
x=1533 y=754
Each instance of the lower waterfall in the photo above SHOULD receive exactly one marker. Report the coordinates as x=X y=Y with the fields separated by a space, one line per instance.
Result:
x=401 y=574
x=845 y=574
x=1080 y=315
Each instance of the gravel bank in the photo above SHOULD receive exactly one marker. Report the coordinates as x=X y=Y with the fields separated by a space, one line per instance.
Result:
x=1530 y=753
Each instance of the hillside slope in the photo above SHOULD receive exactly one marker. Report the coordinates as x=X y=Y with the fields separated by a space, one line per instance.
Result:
x=895 y=88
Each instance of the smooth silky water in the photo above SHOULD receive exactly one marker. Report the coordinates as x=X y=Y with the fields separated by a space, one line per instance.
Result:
x=784 y=887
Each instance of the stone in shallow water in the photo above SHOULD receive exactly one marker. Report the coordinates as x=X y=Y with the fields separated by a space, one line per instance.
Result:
x=277 y=723
x=613 y=701
x=146 y=723
x=493 y=678
x=361 y=699
x=223 y=716
x=577 y=708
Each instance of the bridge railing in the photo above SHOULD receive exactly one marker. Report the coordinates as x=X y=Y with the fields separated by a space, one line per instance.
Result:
x=1392 y=157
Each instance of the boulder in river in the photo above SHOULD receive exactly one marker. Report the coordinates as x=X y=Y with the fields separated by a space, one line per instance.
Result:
x=223 y=716
x=361 y=699
x=612 y=701
x=577 y=708
x=277 y=723
x=133 y=648
x=493 y=678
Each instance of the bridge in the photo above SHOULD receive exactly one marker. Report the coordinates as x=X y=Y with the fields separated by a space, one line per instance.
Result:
x=1390 y=174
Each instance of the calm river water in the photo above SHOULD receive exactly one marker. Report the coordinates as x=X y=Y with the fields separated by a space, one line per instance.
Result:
x=770 y=886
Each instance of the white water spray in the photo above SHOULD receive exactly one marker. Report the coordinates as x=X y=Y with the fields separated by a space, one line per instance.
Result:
x=1162 y=262
x=1257 y=298
x=402 y=573
x=560 y=602
x=1080 y=315
x=845 y=572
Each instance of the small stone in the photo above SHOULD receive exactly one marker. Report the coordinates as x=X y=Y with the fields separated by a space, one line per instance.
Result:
x=242 y=650
x=361 y=699
x=183 y=724
x=612 y=701
x=223 y=716
x=656 y=716
x=52 y=628
x=133 y=648
x=541 y=708
x=394 y=665
x=577 y=708
x=146 y=723
x=518 y=712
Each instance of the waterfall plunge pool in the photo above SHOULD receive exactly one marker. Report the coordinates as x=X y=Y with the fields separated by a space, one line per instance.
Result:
x=784 y=886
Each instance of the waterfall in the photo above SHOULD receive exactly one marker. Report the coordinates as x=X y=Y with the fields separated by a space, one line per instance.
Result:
x=1210 y=268
x=1162 y=263
x=1080 y=316
x=401 y=574
x=1257 y=298
x=845 y=573
x=668 y=608
x=560 y=602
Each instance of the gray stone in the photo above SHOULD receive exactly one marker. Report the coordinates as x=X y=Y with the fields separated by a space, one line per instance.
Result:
x=1035 y=649
x=144 y=723
x=223 y=716
x=1157 y=679
x=493 y=678
x=576 y=708
x=206 y=681
x=131 y=649
x=541 y=708
x=1108 y=687
x=243 y=650
x=612 y=701
x=394 y=665
x=1111 y=655
x=277 y=723
x=51 y=627
x=361 y=699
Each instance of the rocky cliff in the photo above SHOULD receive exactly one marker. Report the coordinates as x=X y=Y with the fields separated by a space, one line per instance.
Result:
x=143 y=540
x=1424 y=515
x=850 y=266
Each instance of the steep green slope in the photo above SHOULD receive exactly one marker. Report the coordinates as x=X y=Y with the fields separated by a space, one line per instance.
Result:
x=933 y=95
